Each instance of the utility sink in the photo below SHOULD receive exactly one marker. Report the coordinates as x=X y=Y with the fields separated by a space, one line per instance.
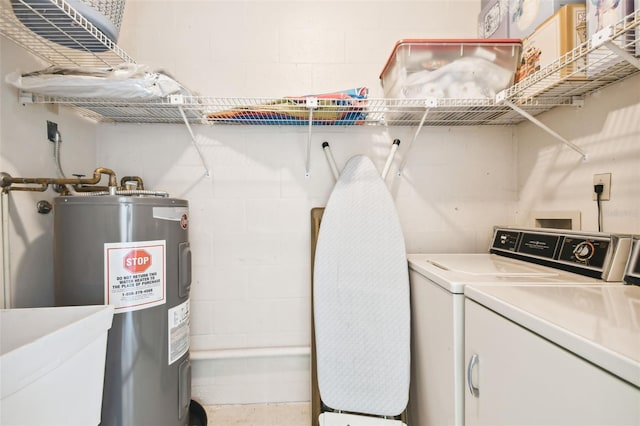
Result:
x=52 y=365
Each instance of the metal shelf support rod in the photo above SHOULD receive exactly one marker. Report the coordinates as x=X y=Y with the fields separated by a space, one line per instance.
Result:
x=547 y=129
x=622 y=53
x=207 y=173
x=330 y=160
x=605 y=37
x=311 y=103
x=429 y=103
x=392 y=154
x=6 y=258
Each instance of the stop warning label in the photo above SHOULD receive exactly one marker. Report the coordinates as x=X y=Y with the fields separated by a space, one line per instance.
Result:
x=137 y=261
x=135 y=274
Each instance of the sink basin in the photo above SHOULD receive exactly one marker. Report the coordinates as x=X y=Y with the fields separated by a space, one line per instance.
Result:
x=52 y=365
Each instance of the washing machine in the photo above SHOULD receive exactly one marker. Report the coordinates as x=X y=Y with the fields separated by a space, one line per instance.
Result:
x=517 y=256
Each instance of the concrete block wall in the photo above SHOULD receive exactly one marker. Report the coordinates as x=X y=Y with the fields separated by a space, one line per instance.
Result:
x=249 y=223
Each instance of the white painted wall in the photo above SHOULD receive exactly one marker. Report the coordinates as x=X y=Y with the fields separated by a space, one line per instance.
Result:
x=552 y=177
x=273 y=48
x=250 y=219
x=25 y=151
x=250 y=222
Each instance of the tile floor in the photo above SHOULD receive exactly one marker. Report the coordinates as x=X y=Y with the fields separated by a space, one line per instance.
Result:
x=292 y=414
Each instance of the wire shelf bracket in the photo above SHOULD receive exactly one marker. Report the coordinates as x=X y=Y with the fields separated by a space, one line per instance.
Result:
x=179 y=101
x=331 y=160
x=390 y=157
x=605 y=38
x=428 y=104
x=385 y=171
x=547 y=129
x=311 y=103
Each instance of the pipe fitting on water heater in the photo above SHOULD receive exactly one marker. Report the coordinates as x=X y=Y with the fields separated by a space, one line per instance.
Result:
x=79 y=182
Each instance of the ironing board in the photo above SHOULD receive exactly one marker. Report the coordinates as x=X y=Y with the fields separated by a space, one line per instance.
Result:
x=361 y=297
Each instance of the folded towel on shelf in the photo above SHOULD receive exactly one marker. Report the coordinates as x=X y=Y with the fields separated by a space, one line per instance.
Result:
x=464 y=78
x=345 y=107
x=126 y=81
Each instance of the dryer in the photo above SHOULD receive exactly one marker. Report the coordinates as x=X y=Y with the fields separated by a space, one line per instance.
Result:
x=632 y=273
x=517 y=256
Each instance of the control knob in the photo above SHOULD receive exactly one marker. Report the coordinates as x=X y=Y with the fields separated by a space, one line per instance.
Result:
x=584 y=251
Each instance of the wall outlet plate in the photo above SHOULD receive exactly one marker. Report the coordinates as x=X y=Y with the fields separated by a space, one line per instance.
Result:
x=52 y=130
x=603 y=179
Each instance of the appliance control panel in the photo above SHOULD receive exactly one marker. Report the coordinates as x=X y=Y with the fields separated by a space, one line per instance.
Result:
x=632 y=274
x=597 y=255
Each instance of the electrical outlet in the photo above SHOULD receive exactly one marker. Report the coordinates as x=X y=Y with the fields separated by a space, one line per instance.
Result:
x=605 y=180
x=52 y=130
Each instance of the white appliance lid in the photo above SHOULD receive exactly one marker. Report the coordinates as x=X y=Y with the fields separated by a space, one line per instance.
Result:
x=453 y=271
x=487 y=265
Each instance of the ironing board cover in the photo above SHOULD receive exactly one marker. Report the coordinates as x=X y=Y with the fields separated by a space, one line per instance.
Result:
x=361 y=297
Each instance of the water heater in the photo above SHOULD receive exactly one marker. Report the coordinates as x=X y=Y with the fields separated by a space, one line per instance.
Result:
x=132 y=252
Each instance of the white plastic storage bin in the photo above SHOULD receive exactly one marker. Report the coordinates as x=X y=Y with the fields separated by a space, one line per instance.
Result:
x=52 y=365
x=460 y=69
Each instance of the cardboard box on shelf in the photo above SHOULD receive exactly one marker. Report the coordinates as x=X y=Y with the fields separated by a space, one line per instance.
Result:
x=526 y=15
x=516 y=18
x=556 y=36
x=493 y=20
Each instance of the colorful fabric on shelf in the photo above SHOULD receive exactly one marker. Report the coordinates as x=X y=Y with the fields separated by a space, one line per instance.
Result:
x=347 y=107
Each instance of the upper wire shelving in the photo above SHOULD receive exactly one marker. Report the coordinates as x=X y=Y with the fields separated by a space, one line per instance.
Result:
x=57 y=20
x=604 y=59
x=261 y=111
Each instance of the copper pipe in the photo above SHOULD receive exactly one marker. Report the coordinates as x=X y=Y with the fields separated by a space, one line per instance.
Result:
x=137 y=179
x=7 y=182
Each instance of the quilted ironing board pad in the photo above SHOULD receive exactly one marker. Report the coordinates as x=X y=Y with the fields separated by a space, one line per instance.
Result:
x=361 y=297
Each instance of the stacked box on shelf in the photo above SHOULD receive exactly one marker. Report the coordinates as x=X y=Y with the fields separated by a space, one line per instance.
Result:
x=516 y=18
x=601 y=15
x=526 y=15
x=493 y=20
x=558 y=35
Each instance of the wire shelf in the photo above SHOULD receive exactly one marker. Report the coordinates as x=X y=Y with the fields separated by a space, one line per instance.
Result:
x=59 y=34
x=261 y=111
x=587 y=68
x=257 y=111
